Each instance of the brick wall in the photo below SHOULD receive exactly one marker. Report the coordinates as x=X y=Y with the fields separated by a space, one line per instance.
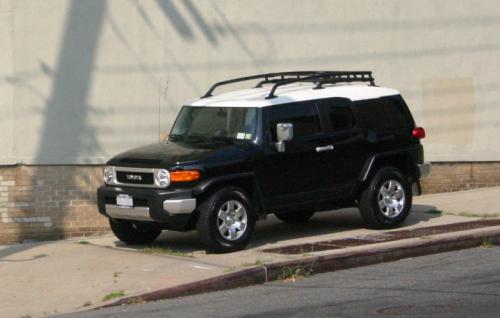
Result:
x=54 y=202
x=49 y=202
x=455 y=176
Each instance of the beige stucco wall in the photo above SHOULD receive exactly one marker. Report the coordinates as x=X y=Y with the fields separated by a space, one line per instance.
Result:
x=83 y=80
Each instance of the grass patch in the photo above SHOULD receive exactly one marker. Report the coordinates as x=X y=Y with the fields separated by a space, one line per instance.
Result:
x=155 y=249
x=84 y=242
x=117 y=274
x=434 y=211
x=428 y=237
x=464 y=213
x=113 y=295
x=486 y=243
x=87 y=303
x=476 y=215
x=289 y=274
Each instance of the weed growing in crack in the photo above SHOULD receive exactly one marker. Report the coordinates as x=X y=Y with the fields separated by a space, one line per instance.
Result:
x=113 y=295
x=486 y=243
x=292 y=274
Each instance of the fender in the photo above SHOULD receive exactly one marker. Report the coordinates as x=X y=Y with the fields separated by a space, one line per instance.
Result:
x=372 y=160
x=248 y=178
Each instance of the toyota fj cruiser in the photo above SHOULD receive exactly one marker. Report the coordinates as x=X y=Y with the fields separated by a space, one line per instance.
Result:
x=295 y=144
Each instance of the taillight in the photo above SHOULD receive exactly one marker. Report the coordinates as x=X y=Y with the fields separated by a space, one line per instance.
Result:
x=418 y=132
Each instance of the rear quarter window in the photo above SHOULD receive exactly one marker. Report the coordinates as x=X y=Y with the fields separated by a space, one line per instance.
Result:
x=337 y=114
x=384 y=114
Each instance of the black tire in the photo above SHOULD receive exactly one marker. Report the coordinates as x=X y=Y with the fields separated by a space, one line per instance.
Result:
x=209 y=221
x=295 y=217
x=133 y=233
x=375 y=215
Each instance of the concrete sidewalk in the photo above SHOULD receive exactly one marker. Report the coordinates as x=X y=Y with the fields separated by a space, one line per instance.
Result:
x=41 y=279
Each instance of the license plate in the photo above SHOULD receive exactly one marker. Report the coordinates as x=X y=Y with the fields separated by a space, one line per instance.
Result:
x=124 y=200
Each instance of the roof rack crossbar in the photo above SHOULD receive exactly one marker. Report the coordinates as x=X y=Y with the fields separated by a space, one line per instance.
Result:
x=326 y=78
x=347 y=78
x=267 y=78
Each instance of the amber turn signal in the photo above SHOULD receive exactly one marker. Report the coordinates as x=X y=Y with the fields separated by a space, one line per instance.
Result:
x=184 y=175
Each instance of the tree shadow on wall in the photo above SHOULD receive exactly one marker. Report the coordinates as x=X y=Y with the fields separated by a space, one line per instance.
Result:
x=65 y=132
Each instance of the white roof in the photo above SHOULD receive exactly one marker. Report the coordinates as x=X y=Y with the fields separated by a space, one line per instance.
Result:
x=256 y=97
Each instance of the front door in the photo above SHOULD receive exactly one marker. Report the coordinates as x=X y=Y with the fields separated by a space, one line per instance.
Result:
x=291 y=177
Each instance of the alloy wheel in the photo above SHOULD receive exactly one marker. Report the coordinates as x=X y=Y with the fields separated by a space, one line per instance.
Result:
x=232 y=220
x=391 y=198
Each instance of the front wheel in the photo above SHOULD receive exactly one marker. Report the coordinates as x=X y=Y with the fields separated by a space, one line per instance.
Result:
x=134 y=233
x=387 y=201
x=227 y=220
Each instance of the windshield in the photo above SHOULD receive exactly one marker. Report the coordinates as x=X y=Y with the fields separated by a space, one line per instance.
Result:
x=214 y=123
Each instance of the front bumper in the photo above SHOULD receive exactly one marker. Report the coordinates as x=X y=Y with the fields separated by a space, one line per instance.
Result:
x=171 y=208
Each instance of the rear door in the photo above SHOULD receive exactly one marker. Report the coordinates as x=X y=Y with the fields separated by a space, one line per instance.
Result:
x=341 y=164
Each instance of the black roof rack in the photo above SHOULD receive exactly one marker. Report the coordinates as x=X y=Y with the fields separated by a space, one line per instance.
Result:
x=327 y=78
x=284 y=78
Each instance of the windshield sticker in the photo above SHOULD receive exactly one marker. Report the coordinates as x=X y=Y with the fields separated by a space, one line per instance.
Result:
x=240 y=135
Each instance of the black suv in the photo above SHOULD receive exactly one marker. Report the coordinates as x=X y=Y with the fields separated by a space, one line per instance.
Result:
x=295 y=144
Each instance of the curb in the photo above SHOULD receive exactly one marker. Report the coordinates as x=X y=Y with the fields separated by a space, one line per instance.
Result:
x=324 y=263
x=243 y=278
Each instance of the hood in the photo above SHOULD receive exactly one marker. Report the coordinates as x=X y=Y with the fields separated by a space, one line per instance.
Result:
x=168 y=153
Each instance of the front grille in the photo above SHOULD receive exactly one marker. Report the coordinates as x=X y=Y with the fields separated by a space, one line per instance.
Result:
x=129 y=177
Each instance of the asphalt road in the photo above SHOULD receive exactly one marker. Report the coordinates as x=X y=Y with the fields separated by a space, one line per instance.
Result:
x=456 y=284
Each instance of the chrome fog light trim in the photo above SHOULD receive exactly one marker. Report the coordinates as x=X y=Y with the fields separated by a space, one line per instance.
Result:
x=162 y=178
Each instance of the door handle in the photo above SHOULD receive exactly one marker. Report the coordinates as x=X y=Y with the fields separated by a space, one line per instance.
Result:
x=324 y=148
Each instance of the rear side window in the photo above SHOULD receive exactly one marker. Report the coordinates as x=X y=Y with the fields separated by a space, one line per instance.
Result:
x=383 y=114
x=302 y=115
x=337 y=114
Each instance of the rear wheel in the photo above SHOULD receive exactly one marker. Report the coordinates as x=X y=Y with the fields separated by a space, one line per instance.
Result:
x=387 y=201
x=295 y=217
x=227 y=220
x=134 y=233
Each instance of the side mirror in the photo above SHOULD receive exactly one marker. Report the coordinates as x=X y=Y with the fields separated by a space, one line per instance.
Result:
x=284 y=132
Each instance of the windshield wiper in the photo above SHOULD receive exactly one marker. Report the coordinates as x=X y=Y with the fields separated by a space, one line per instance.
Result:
x=222 y=139
x=184 y=137
x=201 y=139
x=195 y=138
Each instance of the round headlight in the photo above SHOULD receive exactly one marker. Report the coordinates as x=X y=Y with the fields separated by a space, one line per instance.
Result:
x=162 y=178
x=109 y=174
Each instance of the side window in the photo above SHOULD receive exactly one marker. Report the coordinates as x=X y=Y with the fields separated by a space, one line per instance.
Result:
x=302 y=115
x=337 y=113
x=341 y=118
x=382 y=114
